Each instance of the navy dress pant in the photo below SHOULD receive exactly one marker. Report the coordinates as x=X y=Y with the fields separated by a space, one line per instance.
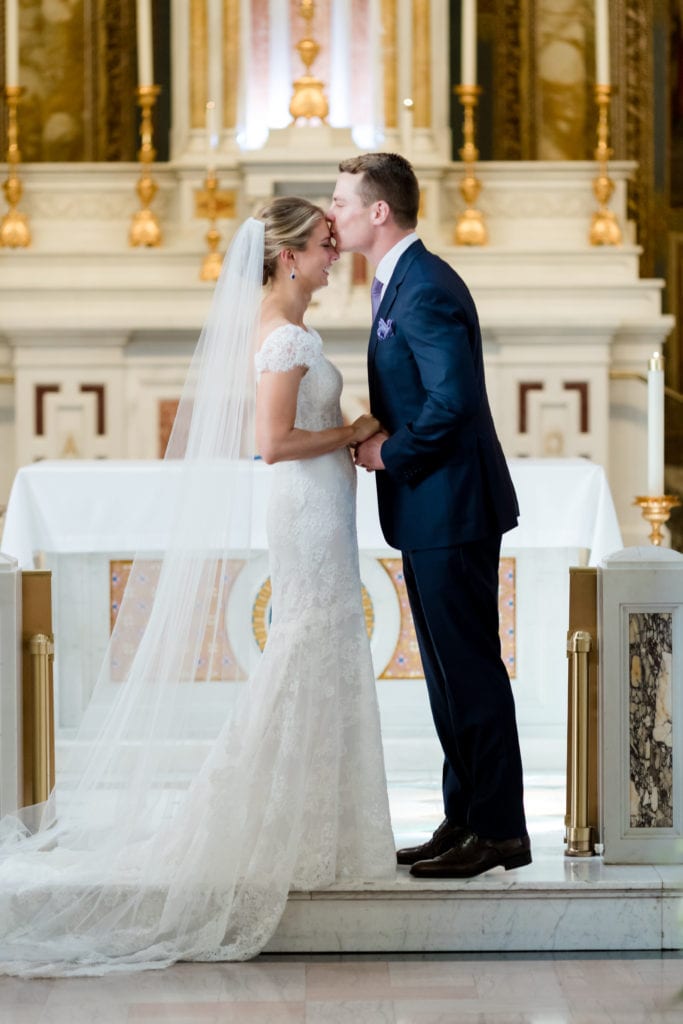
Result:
x=453 y=596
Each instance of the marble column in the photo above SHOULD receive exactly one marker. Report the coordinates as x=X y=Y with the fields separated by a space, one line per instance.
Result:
x=641 y=670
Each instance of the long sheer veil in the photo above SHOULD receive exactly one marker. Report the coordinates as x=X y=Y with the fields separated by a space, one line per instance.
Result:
x=116 y=875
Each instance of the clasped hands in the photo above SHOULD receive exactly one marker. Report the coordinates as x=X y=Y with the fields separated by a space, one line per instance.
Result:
x=367 y=441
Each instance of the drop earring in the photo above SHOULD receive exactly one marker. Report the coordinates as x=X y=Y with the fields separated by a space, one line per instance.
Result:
x=292 y=276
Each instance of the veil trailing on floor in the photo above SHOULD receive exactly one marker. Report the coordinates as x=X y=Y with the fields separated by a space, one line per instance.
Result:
x=127 y=868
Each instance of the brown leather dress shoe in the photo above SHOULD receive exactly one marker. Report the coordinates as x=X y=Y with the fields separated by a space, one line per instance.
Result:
x=442 y=840
x=471 y=855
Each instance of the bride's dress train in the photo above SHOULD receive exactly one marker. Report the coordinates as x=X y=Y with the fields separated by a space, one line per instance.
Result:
x=292 y=794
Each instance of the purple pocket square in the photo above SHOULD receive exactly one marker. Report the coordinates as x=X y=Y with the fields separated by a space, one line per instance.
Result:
x=385 y=328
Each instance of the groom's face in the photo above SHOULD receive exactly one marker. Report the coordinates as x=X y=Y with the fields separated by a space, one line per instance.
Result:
x=351 y=221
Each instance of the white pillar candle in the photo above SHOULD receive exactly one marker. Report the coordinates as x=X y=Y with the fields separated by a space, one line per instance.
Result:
x=12 y=42
x=655 y=426
x=602 y=42
x=144 y=35
x=468 y=43
x=211 y=135
x=406 y=127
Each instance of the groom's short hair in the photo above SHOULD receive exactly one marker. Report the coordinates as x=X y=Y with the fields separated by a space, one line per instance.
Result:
x=390 y=177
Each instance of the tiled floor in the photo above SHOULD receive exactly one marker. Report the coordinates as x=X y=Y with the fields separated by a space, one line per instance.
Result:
x=353 y=990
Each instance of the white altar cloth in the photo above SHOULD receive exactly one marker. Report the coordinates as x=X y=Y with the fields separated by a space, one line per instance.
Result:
x=127 y=506
x=80 y=515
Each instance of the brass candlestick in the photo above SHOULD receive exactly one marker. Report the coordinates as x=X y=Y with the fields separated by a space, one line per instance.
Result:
x=309 y=100
x=144 y=229
x=657 y=511
x=14 y=229
x=604 y=229
x=470 y=229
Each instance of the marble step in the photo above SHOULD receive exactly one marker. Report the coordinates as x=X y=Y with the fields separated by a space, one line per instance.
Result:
x=557 y=903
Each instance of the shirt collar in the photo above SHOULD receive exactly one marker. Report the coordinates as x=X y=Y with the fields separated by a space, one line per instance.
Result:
x=387 y=264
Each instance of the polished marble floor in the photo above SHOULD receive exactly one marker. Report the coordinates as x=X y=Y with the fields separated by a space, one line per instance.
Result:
x=444 y=989
x=635 y=987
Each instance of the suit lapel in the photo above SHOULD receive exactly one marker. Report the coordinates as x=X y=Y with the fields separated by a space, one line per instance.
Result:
x=389 y=297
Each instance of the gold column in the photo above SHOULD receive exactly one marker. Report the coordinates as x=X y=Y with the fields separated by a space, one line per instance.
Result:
x=422 y=65
x=199 y=57
x=42 y=650
x=38 y=765
x=231 y=62
x=390 y=62
x=579 y=841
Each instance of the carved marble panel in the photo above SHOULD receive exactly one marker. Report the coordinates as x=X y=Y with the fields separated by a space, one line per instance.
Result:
x=650 y=719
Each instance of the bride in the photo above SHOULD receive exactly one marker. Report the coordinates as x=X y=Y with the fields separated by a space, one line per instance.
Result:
x=125 y=867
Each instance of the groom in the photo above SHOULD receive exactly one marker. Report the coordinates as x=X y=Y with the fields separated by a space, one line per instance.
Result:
x=445 y=498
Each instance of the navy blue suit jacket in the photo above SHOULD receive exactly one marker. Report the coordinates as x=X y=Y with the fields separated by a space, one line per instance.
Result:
x=446 y=481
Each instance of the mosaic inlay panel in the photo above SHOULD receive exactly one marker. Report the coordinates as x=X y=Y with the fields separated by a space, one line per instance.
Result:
x=217 y=658
x=650 y=719
x=405 y=662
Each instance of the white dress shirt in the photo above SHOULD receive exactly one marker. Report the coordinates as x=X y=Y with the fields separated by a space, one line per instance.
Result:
x=387 y=264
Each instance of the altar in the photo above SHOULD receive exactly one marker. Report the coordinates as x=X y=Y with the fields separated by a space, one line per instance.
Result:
x=86 y=520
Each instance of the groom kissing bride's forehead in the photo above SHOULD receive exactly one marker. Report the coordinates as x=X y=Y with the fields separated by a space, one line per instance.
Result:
x=445 y=498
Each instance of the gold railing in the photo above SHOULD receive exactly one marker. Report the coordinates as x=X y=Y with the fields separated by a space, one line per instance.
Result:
x=41 y=650
x=583 y=828
x=38 y=725
x=579 y=838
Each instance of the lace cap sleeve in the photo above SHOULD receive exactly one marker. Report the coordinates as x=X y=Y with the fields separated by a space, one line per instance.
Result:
x=286 y=347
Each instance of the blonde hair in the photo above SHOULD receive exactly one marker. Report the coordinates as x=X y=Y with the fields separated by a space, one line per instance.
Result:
x=289 y=223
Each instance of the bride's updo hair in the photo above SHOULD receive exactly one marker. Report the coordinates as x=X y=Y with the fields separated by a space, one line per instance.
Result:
x=289 y=223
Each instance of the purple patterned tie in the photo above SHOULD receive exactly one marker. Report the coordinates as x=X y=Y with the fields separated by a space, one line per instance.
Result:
x=375 y=295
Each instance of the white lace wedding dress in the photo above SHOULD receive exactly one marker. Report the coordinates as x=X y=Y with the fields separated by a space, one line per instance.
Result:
x=293 y=793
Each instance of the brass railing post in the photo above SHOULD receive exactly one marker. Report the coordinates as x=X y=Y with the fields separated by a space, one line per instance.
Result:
x=579 y=839
x=42 y=649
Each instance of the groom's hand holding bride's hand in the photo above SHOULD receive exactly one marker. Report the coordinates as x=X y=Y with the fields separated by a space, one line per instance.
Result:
x=369 y=452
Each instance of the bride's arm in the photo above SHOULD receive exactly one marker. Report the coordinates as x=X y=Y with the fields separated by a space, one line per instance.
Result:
x=276 y=436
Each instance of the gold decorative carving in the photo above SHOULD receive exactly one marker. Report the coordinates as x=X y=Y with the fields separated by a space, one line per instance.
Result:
x=633 y=132
x=109 y=118
x=511 y=114
x=422 y=65
x=390 y=62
